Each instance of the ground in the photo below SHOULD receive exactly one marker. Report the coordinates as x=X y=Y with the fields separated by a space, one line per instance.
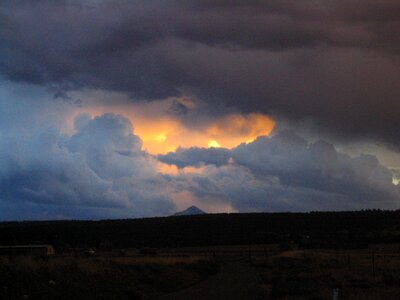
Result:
x=225 y=272
x=237 y=280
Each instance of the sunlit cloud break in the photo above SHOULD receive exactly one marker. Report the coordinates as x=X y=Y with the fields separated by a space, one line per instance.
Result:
x=162 y=132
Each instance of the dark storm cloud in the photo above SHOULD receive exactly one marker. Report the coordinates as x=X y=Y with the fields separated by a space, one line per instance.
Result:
x=196 y=157
x=336 y=63
x=317 y=166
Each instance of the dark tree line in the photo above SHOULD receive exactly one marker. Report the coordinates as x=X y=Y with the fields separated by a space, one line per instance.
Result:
x=315 y=229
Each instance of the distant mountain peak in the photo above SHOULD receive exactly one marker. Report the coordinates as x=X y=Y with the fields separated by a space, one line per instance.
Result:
x=190 y=211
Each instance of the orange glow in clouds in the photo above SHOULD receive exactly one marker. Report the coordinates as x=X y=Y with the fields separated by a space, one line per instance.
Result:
x=165 y=135
x=234 y=129
x=162 y=133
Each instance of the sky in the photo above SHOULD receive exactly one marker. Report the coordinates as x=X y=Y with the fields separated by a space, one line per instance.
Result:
x=127 y=109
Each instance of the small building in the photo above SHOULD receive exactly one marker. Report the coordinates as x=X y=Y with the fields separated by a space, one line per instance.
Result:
x=43 y=250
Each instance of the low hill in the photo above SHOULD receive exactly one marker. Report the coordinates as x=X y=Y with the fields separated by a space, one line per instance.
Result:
x=191 y=211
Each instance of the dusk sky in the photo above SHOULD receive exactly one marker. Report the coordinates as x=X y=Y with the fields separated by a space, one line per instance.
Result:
x=123 y=109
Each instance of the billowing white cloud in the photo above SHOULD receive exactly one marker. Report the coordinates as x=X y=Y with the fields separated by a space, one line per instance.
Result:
x=101 y=166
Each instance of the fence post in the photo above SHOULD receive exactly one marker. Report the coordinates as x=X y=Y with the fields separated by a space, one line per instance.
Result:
x=373 y=265
x=348 y=261
x=335 y=294
x=249 y=254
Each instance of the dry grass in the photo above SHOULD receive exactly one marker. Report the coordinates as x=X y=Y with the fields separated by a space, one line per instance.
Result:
x=100 y=277
x=312 y=274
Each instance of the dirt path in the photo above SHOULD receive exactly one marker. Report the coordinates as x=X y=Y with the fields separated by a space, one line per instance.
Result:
x=236 y=280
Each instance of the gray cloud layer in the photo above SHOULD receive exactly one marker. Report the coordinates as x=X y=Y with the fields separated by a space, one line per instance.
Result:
x=285 y=172
x=334 y=62
x=196 y=157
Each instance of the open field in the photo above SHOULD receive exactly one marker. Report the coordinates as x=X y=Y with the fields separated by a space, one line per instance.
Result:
x=215 y=272
x=98 y=277
x=313 y=274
